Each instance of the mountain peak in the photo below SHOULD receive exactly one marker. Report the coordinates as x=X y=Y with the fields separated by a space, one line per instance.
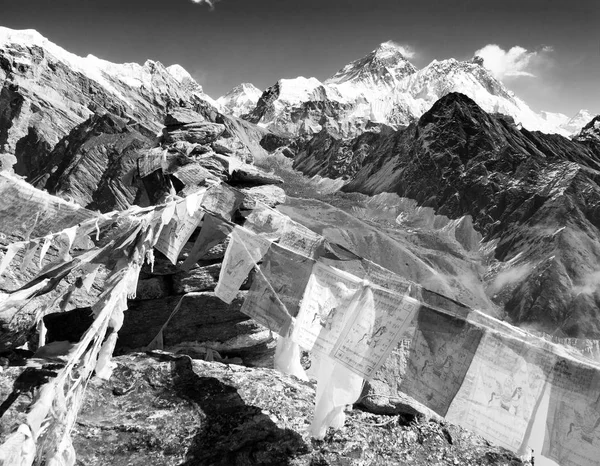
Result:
x=384 y=66
x=241 y=99
x=477 y=60
x=390 y=49
x=20 y=36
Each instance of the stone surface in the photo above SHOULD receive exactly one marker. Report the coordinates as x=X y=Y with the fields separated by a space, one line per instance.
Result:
x=153 y=288
x=268 y=194
x=202 y=278
x=201 y=317
x=251 y=175
x=160 y=409
x=182 y=116
x=95 y=164
x=200 y=133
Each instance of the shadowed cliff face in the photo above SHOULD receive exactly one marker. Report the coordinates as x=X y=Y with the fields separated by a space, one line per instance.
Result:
x=91 y=165
x=536 y=196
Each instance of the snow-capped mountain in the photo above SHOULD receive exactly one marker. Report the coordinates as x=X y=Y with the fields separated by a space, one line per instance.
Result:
x=47 y=91
x=577 y=122
x=590 y=132
x=554 y=119
x=384 y=87
x=240 y=100
x=378 y=72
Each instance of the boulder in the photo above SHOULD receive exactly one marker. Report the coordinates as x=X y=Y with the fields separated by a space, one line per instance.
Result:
x=182 y=116
x=200 y=133
x=252 y=175
x=152 y=288
x=201 y=317
x=203 y=278
x=268 y=194
x=94 y=164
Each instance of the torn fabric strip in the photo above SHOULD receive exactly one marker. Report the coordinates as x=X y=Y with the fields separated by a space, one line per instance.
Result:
x=245 y=250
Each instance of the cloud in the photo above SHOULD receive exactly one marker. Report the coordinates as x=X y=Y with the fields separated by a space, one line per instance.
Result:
x=210 y=3
x=589 y=284
x=509 y=277
x=406 y=50
x=513 y=63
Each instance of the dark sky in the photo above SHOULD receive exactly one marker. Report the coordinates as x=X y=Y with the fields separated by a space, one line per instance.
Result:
x=260 y=41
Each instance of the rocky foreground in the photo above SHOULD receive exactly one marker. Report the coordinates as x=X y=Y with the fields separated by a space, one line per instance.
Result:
x=164 y=409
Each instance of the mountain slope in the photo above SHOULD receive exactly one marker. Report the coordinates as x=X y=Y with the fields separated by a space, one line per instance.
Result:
x=536 y=196
x=46 y=91
x=577 y=122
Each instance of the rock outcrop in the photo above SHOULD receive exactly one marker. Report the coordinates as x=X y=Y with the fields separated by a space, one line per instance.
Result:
x=94 y=164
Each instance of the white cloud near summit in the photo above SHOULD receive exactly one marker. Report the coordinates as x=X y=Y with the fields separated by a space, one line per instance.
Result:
x=512 y=63
x=210 y=3
x=406 y=50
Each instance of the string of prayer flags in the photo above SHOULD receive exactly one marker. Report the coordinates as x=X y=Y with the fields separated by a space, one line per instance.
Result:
x=178 y=231
x=213 y=232
x=350 y=320
x=277 y=288
x=573 y=419
x=245 y=250
x=501 y=391
x=152 y=160
x=373 y=330
x=222 y=201
x=11 y=252
x=324 y=309
x=287 y=358
x=29 y=254
x=267 y=222
x=441 y=350
x=385 y=278
x=26 y=211
x=298 y=238
x=194 y=174
x=337 y=387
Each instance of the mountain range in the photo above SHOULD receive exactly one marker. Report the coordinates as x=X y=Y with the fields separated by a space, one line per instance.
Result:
x=384 y=87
